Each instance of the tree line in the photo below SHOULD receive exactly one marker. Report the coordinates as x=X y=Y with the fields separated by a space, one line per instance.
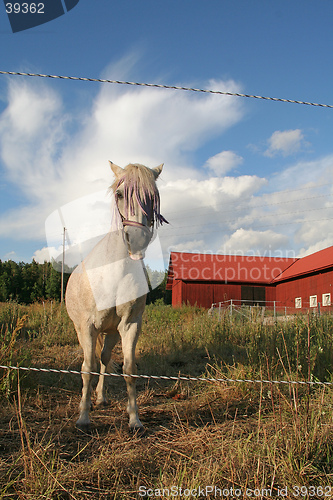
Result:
x=26 y=283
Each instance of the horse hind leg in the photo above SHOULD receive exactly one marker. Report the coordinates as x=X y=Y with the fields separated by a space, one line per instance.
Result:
x=110 y=341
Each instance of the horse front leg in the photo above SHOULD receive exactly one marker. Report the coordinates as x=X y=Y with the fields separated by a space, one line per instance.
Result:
x=87 y=338
x=129 y=336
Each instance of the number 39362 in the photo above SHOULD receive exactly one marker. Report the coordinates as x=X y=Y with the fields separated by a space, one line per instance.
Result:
x=25 y=8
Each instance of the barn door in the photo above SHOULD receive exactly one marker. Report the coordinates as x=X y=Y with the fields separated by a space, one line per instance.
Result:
x=253 y=295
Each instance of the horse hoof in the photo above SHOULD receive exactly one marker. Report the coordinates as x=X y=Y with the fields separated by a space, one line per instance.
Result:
x=102 y=404
x=84 y=428
x=137 y=431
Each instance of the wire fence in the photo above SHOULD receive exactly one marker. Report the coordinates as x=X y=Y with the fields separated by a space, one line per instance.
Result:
x=171 y=378
x=163 y=86
x=265 y=309
x=232 y=306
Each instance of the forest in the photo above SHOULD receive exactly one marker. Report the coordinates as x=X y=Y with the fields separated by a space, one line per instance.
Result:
x=26 y=283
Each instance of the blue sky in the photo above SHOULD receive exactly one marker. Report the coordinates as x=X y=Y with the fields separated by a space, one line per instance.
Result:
x=241 y=175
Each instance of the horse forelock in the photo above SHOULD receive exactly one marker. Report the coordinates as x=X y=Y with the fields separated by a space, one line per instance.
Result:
x=140 y=187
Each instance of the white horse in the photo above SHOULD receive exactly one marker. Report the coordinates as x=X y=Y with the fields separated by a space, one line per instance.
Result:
x=106 y=294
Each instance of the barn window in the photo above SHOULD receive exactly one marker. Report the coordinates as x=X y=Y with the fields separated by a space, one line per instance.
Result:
x=313 y=300
x=298 y=303
x=326 y=299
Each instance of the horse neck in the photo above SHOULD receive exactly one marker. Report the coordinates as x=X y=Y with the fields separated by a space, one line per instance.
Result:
x=116 y=244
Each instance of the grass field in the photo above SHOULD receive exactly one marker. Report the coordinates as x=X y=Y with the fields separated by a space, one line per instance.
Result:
x=203 y=439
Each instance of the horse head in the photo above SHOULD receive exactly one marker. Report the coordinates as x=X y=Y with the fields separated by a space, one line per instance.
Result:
x=138 y=203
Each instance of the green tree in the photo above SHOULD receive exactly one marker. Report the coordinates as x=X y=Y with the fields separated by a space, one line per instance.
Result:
x=3 y=287
x=53 y=283
x=158 y=291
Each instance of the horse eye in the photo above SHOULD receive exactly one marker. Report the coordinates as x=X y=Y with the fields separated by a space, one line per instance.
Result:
x=119 y=194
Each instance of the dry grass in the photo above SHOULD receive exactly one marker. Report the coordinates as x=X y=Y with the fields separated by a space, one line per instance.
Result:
x=240 y=438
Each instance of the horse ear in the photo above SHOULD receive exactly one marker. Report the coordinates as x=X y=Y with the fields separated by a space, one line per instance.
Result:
x=118 y=171
x=157 y=170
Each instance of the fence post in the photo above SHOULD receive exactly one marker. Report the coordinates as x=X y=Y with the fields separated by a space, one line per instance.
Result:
x=231 y=309
x=220 y=310
x=318 y=308
x=274 y=309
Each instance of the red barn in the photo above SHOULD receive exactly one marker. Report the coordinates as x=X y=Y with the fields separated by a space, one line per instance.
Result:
x=307 y=282
x=204 y=279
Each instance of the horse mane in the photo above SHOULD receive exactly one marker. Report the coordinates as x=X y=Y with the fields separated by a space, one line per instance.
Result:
x=139 y=184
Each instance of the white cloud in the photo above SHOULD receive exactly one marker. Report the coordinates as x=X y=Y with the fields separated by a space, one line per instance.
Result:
x=306 y=174
x=319 y=245
x=192 y=246
x=151 y=125
x=315 y=234
x=187 y=194
x=29 y=109
x=198 y=210
x=257 y=242
x=285 y=142
x=297 y=206
x=31 y=129
x=53 y=156
x=288 y=213
x=223 y=162
x=46 y=254
x=10 y=255
x=24 y=223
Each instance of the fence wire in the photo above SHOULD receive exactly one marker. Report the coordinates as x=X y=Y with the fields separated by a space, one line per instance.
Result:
x=173 y=378
x=165 y=377
x=161 y=86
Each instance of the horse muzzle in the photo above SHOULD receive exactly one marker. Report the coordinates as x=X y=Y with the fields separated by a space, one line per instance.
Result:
x=138 y=237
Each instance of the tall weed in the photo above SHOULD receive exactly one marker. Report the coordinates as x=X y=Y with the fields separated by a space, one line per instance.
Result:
x=188 y=337
x=261 y=436
x=47 y=322
x=10 y=354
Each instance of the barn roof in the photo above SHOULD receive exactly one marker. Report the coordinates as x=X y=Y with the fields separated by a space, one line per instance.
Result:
x=227 y=268
x=318 y=261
